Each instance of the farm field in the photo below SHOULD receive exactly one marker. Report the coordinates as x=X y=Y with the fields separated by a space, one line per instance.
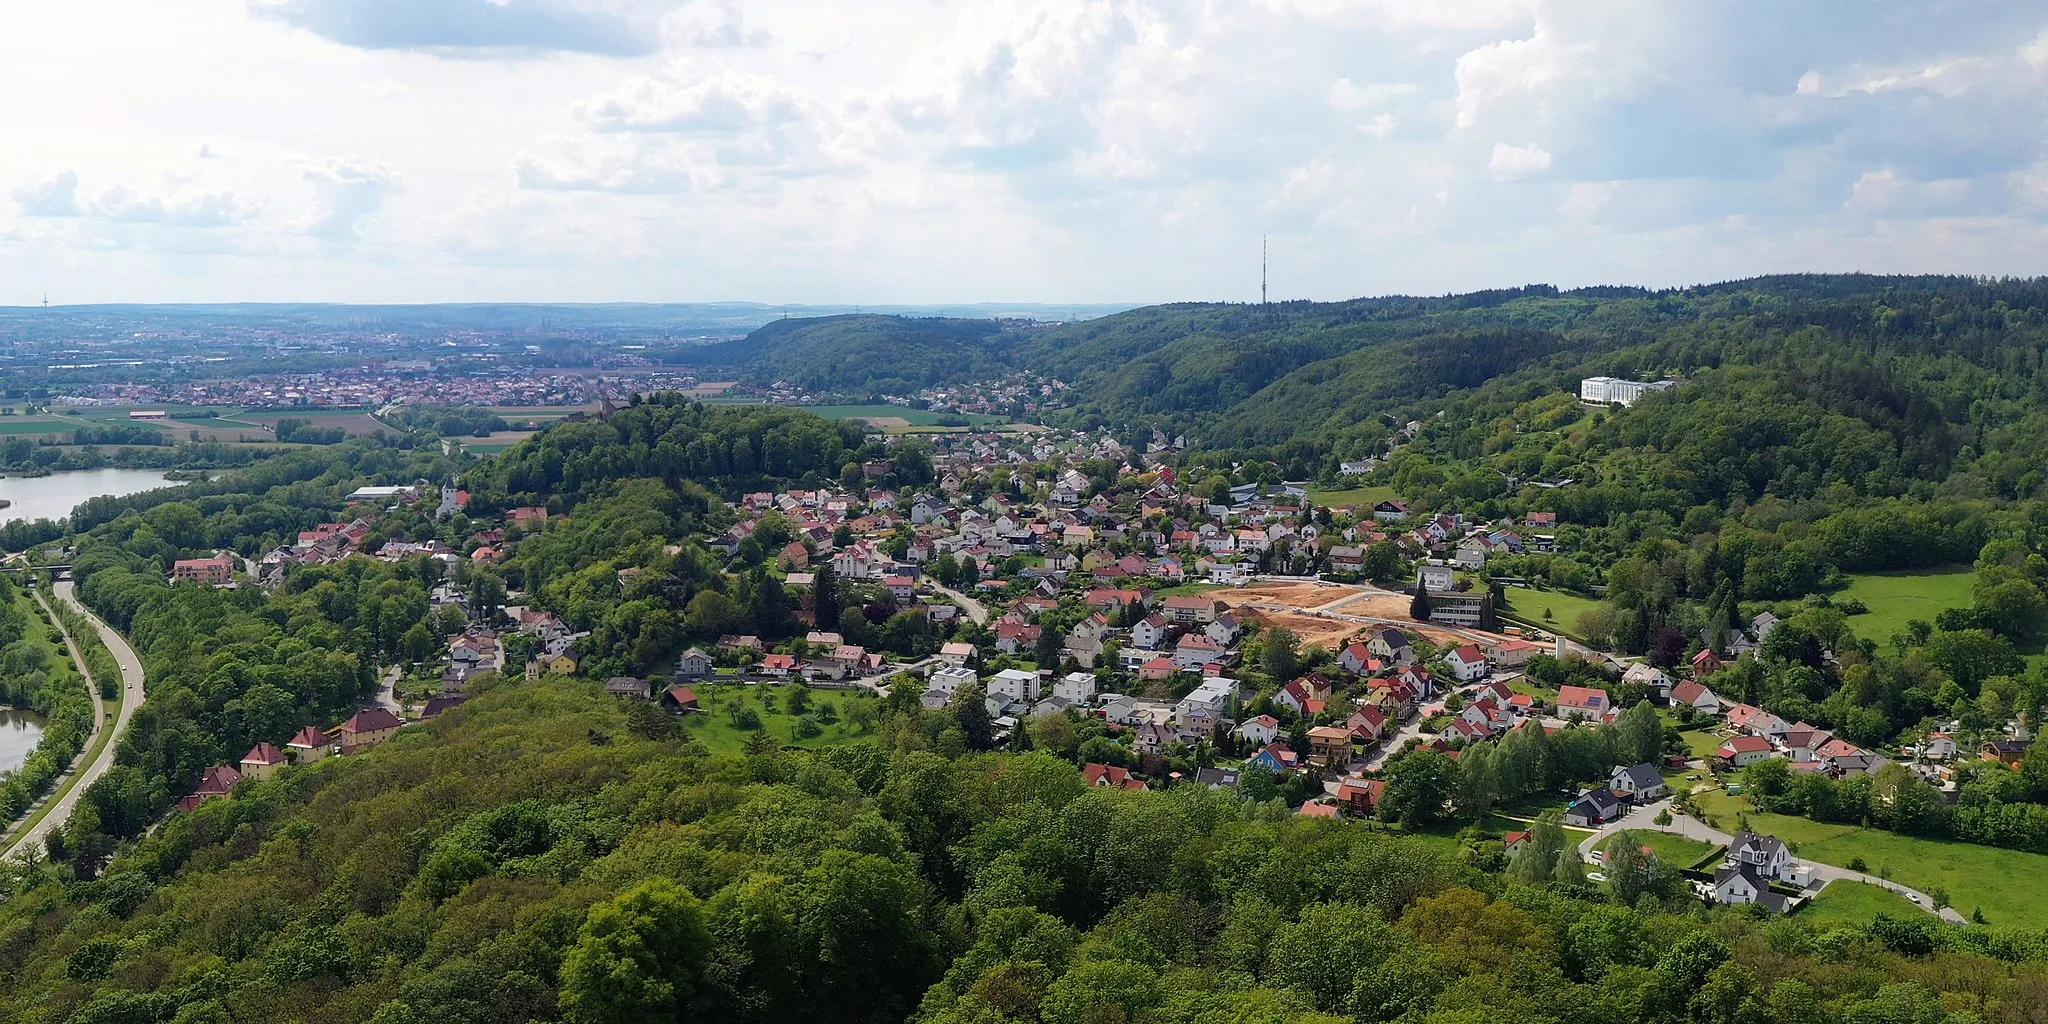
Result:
x=1530 y=604
x=542 y=414
x=119 y=413
x=1351 y=496
x=355 y=421
x=35 y=425
x=1896 y=598
x=715 y=729
x=227 y=431
x=1854 y=903
x=2009 y=886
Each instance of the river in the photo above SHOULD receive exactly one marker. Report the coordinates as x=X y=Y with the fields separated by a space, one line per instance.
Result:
x=20 y=731
x=54 y=496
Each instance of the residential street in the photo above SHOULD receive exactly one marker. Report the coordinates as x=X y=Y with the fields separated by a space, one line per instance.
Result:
x=975 y=609
x=1642 y=819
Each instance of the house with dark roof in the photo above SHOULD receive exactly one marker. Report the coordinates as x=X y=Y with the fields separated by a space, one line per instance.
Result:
x=1638 y=783
x=1593 y=808
x=628 y=686
x=1743 y=884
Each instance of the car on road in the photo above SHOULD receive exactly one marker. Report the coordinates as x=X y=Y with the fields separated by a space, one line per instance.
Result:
x=1914 y=896
x=1595 y=876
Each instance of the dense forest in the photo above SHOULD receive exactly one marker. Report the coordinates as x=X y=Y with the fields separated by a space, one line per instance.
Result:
x=542 y=853
x=725 y=448
x=862 y=353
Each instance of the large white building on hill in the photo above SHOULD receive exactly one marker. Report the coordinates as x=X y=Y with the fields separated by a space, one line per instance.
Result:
x=1615 y=391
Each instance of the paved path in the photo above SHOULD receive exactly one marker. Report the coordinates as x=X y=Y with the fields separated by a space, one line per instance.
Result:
x=975 y=609
x=132 y=681
x=1643 y=819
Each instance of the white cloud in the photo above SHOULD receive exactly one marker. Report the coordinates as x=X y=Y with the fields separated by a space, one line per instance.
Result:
x=1513 y=163
x=478 y=28
x=348 y=192
x=122 y=204
x=55 y=197
x=725 y=103
x=1080 y=149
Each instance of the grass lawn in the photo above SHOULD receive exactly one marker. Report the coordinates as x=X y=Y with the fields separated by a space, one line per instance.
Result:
x=914 y=417
x=1530 y=604
x=1353 y=496
x=2010 y=886
x=1672 y=849
x=1531 y=688
x=715 y=729
x=1701 y=742
x=1854 y=903
x=1895 y=598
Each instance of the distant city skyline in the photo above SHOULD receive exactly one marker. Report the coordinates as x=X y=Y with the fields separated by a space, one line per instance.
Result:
x=1049 y=152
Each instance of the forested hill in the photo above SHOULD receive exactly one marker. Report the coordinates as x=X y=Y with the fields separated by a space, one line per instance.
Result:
x=864 y=352
x=546 y=853
x=1310 y=383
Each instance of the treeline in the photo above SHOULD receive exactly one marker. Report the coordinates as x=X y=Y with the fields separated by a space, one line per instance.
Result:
x=863 y=354
x=1993 y=804
x=293 y=430
x=601 y=876
x=447 y=420
x=669 y=437
x=36 y=674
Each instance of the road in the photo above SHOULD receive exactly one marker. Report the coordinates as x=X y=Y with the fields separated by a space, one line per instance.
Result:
x=387 y=690
x=975 y=609
x=1392 y=743
x=1643 y=819
x=132 y=680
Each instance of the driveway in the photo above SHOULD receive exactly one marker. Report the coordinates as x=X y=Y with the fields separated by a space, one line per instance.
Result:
x=132 y=682
x=1643 y=819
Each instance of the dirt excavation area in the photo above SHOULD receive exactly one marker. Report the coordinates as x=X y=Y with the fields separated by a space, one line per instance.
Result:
x=1328 y=634
x=1293 y=606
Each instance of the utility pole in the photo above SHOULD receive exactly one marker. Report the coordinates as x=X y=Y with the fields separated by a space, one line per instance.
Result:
x=1262 y=271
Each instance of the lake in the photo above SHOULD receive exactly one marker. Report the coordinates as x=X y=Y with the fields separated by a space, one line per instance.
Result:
x=20 y=731
x=54 y=496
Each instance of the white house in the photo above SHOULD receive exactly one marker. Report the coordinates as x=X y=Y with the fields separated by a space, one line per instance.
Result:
x=1435 y=578
x=1213 y=698
x=1733 y=885
x=1150 y=632
x=1075 y=687
x=1698 y=697
x=1466 y=662
x=1640 y=783
x=1648 y=675
x=1259 y=731
x=1195 y=651
x=1015 y=684
x=950 y=679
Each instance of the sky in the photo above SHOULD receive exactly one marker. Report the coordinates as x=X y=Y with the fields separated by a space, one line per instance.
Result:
x=912 y=151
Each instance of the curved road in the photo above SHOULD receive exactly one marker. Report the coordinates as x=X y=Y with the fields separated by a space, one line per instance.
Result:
x=975 y=609
x=1642 y=819
x=131 y=676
